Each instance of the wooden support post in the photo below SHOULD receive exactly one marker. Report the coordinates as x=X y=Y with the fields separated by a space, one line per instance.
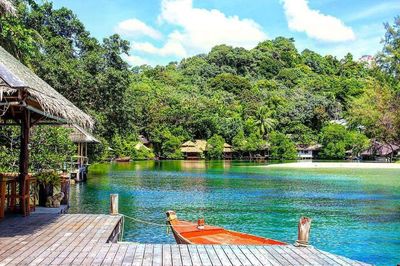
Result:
x=114 y=204
x=304 y=228
x=24 y=162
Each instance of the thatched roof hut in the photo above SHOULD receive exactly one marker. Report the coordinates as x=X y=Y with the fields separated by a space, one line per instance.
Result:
x=190 y=147
x=227 y=148
x=27 y=100
x=20 y=87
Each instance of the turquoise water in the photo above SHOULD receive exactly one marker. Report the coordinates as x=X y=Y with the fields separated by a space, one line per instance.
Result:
x=356 y=213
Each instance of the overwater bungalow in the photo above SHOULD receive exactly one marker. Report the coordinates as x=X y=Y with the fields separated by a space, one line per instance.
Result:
x=305 y=151
x=228 y=151
x=191 y=151
x=197 y=150
x=79 y=164
x=27 y=101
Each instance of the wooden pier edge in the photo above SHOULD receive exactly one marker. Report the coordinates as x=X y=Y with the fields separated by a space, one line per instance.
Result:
x=90 y=239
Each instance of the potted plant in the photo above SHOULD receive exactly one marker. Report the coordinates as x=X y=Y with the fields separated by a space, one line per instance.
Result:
x=47 y=180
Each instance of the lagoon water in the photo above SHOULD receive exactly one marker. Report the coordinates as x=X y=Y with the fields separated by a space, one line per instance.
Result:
x=356 y=213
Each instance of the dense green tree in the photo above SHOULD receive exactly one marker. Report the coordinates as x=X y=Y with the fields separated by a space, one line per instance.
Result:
x=238 y=94
x=389 y=58
x=215 y=147
x=282 y=147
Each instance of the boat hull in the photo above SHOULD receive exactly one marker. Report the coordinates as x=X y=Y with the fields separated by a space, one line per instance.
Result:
x=188 y=233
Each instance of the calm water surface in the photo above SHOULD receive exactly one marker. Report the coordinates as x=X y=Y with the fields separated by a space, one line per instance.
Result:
x=356 y=213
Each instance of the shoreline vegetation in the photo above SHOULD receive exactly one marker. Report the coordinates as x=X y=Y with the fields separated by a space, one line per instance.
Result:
x=269 y=99
x=347 y=165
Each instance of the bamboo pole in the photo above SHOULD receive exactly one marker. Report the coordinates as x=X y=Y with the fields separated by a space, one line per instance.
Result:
x=304 y=228
x=114 y=204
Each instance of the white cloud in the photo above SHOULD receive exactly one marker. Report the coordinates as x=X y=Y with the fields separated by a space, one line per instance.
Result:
x=136 y=60
x=201 y=29
x=136 y=28
x=315 y=24
x=170 y=48
x=194 y=30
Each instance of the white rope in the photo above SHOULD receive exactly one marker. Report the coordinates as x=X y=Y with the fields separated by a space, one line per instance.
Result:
x=151 y=223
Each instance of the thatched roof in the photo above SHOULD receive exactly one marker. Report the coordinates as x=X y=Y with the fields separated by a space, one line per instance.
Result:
x=16 y=78
x=191 y=147
x=227 y=147
x=79 y=135
x=188 y=143
x=306 y=147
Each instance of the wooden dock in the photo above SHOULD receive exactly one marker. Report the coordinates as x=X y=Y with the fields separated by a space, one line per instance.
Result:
x=86 y=239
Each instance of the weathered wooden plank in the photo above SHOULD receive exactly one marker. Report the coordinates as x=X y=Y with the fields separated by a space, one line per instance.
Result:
x=276 y=255
x=166 y=255
x=88 y=246
x=223 y=257
x=43 y=241
x=67 y=240
x=148 y=254
x=264 y=257
x=294 y=255
x=138 y=259
x=339 y=260
x=23 y=244
x=176 y=255
x=290 y=257
x=194 y=255
x=110 y=256
x=205 y=259
x=249 y=255
x=312 y=258
x=119 y=257
x=185 y=255
x=101 y=255
x=157 y=255
x=72 y=250
x=130 y=254
x=81 y=240
x=240 y=255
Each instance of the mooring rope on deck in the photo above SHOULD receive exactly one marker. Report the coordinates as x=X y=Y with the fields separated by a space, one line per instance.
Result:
x=166 y=225
x=152 y=223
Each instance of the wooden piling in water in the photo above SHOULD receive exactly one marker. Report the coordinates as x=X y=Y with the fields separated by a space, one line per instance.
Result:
x=114 y=204
x=304 y=228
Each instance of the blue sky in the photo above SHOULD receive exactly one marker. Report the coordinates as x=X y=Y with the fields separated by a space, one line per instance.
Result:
x=161 y=31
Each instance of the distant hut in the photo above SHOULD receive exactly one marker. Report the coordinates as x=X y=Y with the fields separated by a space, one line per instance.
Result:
x=381 y=152
x=80 y=162
x=191 y=151
x=228 y=151
x=26 y=101
x=305 y=151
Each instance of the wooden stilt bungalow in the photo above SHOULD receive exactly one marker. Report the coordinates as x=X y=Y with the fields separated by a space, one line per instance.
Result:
x=191 y=151
x=27 y=101
x=228 y=151
x=79 y=164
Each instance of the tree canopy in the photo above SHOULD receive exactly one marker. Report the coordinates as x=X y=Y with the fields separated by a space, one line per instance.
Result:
x=249 y=98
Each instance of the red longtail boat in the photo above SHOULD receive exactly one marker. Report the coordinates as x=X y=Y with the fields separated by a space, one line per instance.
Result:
x=199 y=233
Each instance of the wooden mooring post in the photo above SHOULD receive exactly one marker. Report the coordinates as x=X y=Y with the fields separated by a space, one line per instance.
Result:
x=304 y=228
x=114 y=204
